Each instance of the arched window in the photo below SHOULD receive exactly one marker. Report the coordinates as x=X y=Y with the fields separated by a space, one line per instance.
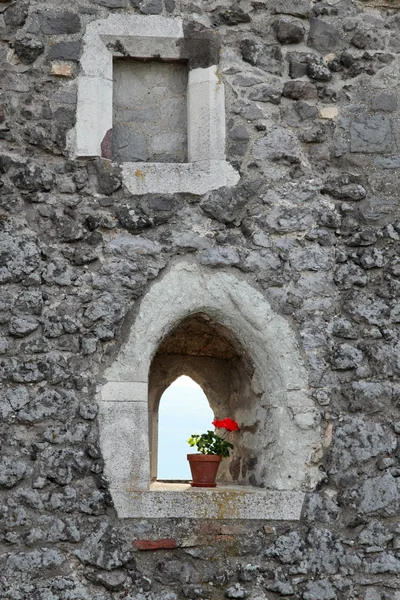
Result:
x=208 y=352
x=184 y=410
x=218 y=329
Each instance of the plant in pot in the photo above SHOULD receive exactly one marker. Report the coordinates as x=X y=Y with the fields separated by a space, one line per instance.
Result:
x=212 y=448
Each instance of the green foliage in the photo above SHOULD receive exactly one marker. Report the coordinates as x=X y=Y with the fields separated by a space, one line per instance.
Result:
x=210 y=443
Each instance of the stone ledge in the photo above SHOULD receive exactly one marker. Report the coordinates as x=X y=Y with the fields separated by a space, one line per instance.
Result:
x=164 y=501
x=170 y=178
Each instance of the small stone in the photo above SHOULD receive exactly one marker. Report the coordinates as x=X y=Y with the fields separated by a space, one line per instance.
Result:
x=296 y=8
x=359 y=40
x=113 y=581
x=16 y=14
x=346 y=357
x=279 y=144
x=266 y=93
x=65 y=51
x=219 y=257
x=385 y=463
x=315 y=135
x=379 y=495
x=324 y=37
x=20 y=327
x=289 y=31
x=88 y=410
x=153 y=7
x=89 y=345
x=328 y=112
x=239 y=133
x=300 y=90
x=319 y=590
x=33 y=178
x=236 y=591
x=28 y=49
x=346 y=59
x=61 y=70
x=318 y=72
x=384 y=101
x=11 y=472
x=233 y=15
x=52 y=22
x=169 y=5
x=108 y=176
x=371 y=134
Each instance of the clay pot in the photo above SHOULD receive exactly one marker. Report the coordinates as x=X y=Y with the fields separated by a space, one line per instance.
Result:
x=204 y=469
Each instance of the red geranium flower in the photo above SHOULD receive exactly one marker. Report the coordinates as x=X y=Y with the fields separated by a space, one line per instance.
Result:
x=228 y=424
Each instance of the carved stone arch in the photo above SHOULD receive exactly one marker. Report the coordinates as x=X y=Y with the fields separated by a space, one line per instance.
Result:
x=287 y=423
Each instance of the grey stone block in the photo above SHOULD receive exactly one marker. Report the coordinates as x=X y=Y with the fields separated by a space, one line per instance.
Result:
x=28 y=49
x=65 y=51
x=52 y=22
x=324 y=37
x=289 y=31
x=129 y=145
x=296 y=8
x=152 y=7
x=371 y=134
x=385 y=101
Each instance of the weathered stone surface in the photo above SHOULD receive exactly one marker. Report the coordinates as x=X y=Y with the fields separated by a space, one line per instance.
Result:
x=232 y=15
x=224 y=206
x=28 y=49
x=357 y=441
x=318 y=71
x=323 y=36
x=11 y=472
x=280 y=144
x=319 y=590
x=380 y=495
x=268 y=58
x=20 y=257
x=299 y=90
x=371 y=134
x=53 y=22
x=289 y=31
x=65 y=51
x=297 y=8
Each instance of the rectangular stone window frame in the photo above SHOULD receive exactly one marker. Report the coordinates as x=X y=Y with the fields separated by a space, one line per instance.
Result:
x=157 y=38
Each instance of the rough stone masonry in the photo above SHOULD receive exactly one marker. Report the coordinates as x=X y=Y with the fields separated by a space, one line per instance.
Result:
x=312 y=116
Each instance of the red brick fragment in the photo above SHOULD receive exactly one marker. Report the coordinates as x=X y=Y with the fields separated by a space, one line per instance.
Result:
x=155 y=544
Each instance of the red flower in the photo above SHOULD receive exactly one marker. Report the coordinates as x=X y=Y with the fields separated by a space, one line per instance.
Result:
x=228 y=424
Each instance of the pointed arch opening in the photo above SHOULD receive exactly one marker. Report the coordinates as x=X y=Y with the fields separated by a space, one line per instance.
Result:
x=210 y=354
x=184 y=409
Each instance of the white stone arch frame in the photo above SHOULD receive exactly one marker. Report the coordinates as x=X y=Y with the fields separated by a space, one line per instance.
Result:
x=280 y=375
x=145 y=37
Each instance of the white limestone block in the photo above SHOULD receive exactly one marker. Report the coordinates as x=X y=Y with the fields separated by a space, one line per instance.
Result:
x=94 y=115
x=124 y=444
x=124 y=391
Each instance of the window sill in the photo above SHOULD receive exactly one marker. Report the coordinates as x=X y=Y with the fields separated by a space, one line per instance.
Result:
x=171 y=178
x=180 y=500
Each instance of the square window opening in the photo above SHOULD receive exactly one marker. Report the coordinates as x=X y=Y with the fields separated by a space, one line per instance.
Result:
x=149 y=111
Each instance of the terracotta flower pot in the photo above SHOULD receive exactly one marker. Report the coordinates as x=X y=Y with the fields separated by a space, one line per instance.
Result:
x=204 y=469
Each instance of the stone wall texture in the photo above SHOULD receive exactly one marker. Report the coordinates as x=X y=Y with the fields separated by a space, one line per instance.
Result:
x=313 y=128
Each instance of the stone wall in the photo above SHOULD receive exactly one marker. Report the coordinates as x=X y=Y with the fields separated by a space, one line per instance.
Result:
x=312 y=118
